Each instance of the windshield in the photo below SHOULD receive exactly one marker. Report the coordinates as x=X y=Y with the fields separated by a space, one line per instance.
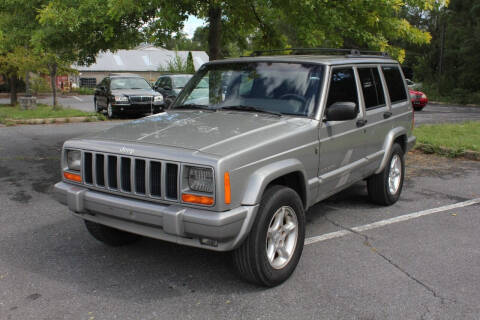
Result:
x=286 y=88
x=181 y=81
x=129 y=83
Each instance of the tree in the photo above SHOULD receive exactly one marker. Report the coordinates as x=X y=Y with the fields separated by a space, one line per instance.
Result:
x=17 y=22
x=190 y=65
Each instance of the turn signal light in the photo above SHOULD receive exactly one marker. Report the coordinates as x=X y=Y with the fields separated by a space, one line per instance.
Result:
x=228 y=192
x=72 y=176
x=208 y=201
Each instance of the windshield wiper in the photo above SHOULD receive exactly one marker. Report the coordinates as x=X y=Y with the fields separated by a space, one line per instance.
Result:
x=241 y=107
x=194 y=106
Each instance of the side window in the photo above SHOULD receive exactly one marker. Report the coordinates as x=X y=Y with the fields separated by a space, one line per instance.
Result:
x=168 y=83
x=395 y=84
x=371 y=87
x=342 y=87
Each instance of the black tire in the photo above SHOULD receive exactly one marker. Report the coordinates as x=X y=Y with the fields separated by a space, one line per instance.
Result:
x=250 y=259
x=96 y=107
x=378 y=184
x=112 y=237
x=111 y=114
x=418 y=108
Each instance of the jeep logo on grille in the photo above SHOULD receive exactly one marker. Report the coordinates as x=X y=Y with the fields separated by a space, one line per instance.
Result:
x=126 y=150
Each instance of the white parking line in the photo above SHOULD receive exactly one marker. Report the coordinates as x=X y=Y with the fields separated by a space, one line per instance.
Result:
x=75 y=97
x=385 y=222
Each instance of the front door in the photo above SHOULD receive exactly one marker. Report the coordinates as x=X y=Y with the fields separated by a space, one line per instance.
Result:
x=340 y=141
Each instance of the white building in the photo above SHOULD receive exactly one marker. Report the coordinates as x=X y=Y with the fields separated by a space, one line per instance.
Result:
x=145 y=61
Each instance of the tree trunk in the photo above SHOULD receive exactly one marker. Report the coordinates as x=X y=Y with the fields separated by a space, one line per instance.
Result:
x=27 y=84
x=13 y=90
x=53 y=76
x=214 y=30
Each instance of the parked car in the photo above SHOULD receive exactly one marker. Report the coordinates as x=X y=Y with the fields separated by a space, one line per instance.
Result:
x=237 y=169
x=419 y=100
x=126 y=94
x=171 y=85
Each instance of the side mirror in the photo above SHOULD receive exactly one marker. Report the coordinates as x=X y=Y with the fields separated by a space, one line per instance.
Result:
x=341 y=111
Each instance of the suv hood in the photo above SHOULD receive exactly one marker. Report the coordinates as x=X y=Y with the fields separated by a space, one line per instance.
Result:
x=219 y=133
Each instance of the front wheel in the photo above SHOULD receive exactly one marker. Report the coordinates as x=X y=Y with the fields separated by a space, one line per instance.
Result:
x=418 y=108
x=274 y=246
x=110 y=113
x=385 y=188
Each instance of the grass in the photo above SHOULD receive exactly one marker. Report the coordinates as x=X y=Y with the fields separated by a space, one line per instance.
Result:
x=449 y=139
x=41 y=112
x=454 y=96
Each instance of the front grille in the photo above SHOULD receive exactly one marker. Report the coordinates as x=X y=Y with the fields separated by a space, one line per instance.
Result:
x=130 y=175
x=137 y=99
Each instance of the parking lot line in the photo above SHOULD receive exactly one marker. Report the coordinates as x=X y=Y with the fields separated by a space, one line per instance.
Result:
x=385 y=222
x=75 y=97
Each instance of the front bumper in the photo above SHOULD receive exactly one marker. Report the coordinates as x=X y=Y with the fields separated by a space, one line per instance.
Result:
x=138 y=108
x=174 y=223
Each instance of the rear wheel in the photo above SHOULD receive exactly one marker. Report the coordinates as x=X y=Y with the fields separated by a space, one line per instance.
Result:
x=96 y=107
x=273 y=248
x=112 y=237
x=385 y=188
x=418 y=108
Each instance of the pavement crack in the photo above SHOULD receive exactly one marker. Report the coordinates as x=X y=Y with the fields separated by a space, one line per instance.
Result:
x=368 y=244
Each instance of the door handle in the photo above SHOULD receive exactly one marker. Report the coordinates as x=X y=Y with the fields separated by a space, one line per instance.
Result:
x=387 y=115
x=361 y=123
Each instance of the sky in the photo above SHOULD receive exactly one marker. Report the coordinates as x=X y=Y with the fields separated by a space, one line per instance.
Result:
x=191 y=24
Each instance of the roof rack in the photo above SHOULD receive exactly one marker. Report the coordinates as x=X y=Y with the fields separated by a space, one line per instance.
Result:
x=349 y=53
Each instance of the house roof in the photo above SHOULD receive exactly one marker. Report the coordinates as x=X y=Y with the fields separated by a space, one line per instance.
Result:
x=144 y=58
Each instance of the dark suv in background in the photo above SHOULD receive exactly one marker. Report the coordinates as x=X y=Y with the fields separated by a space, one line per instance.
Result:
x=126 y=94
x=171 y=85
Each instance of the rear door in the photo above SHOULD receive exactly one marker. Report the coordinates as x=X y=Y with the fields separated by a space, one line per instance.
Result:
x=341 y=151
x=377 y=115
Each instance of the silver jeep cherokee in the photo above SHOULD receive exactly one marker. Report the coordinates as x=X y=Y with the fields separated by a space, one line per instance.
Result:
x=245 y=150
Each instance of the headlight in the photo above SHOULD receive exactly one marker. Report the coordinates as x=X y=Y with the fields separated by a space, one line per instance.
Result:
x=424 y=96
x=158 y=98
x=74 y=160
x=121 y=99
x=200 y=179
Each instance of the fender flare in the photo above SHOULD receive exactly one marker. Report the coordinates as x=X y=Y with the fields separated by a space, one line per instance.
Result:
x=388 y=144
x=259 y=180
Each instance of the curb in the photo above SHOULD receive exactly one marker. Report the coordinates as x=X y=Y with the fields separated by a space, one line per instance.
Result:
x=430 y=149
x=53 y=120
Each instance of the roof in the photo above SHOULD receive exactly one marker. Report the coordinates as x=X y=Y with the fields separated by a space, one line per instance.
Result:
x=320 y=59
x=145 y=58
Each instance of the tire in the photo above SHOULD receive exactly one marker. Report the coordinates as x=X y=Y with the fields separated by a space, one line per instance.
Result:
x=251 y=260
x=418 y=108
x=378 y=185
x=111 y=114
x=110 y=236
x=96 y=107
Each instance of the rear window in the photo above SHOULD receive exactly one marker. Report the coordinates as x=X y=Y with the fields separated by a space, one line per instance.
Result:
x=371 y=87
x=395 y=84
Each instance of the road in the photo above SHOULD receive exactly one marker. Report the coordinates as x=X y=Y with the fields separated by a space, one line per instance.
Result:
x=421 y=265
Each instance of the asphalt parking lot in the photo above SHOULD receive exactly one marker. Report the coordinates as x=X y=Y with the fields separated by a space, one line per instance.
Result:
x=418 y=259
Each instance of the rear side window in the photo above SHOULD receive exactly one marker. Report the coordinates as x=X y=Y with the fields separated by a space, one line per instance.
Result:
x=342 y=87
x=371 y=87
x=395 y=84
